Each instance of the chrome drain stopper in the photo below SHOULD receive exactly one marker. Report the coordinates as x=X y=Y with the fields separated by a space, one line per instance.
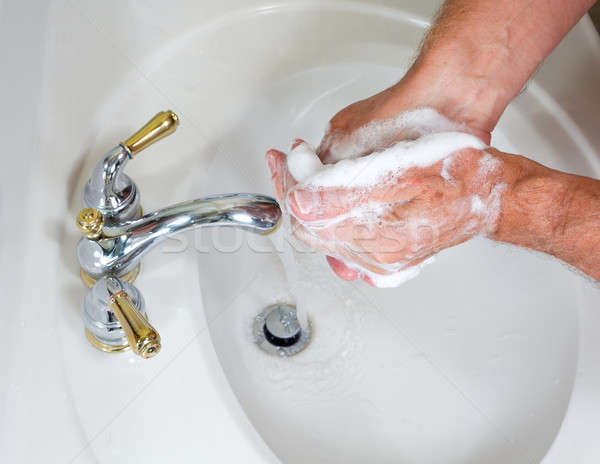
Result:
x=278 y=331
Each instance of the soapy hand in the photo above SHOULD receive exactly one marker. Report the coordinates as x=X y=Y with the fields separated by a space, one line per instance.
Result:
x=374 y=124
x=473 y=62
x=368 y=125
x=382 y=216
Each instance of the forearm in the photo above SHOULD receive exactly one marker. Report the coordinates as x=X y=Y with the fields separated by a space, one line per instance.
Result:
x=480 y=53
x=552 y=212
x=474 y=60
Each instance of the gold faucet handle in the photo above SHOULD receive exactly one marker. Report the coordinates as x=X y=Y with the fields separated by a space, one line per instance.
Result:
x=143 y=339
x=161 y=125
x=90 y=222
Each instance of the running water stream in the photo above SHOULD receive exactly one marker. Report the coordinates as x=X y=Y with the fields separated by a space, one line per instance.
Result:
x=284 y=245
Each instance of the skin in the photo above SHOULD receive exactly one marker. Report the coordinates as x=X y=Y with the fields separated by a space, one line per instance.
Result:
x=424 y=213
x=473 y=62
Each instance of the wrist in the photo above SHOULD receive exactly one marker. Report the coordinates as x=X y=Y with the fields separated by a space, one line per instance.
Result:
x=535 y=205
x=452 y=79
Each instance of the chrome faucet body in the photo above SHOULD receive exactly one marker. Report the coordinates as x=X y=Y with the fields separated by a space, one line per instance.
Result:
x=110 y=190
x=116 y=238
x=121 y=245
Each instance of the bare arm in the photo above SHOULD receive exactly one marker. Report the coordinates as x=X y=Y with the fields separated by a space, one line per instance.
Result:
x=489 y=49
x=474 y=61
x=484 y=51
x=541 y=208
x=551 y=211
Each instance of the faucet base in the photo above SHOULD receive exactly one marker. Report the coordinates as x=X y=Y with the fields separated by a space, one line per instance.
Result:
x=89 y=281
x=103 y=346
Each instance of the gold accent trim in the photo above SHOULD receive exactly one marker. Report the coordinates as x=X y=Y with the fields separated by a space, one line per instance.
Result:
x=89 y=281
x=161 y=125
x=143 y=339
x=103 y=346
x=90 y=222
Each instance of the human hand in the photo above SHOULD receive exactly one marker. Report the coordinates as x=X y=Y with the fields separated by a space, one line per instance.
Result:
x=382 y=232
x=372 y=124
x=376 y=123
x=474 y=61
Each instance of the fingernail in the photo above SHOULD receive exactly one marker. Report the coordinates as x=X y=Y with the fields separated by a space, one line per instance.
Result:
x=306 y=200
x=297 y=142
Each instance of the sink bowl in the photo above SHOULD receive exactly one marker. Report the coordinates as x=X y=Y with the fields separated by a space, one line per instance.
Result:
x=473 y=361
x=490 y=355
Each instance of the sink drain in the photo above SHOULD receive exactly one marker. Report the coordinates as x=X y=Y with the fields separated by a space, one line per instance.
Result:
x=278 y=331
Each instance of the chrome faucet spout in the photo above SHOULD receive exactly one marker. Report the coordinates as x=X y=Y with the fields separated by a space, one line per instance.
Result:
x=118 y=247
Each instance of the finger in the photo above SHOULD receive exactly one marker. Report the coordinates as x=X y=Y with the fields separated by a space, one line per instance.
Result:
x=386 y=242
x=342 y=271
x=320 y=240
x=405 y=269
x=309 y=204
x=280 y=175
x=296 y=143
x=337 y=145
x=312 y=239
x=327 y=148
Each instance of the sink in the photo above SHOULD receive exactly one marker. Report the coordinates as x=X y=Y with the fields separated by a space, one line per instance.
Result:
x=478 y=355
x=490 y=355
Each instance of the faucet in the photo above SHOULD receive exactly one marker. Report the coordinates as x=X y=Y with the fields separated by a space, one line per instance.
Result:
x=115 y=319
x=116 y=249
x=109 y=189
x=116 y=235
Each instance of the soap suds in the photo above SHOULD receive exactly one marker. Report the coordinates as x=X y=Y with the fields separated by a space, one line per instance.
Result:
x=477 y=205
x=379 y=135
x=393 y=279
x=303 y=162
x=488 y=164
x=364 y=214
x=492 y=209
x=446 y=168
x=428 y=139
x=394 y=274
x=377 y=167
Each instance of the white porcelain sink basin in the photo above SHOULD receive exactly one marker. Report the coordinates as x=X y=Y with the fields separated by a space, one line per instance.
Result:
x=490 y=356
